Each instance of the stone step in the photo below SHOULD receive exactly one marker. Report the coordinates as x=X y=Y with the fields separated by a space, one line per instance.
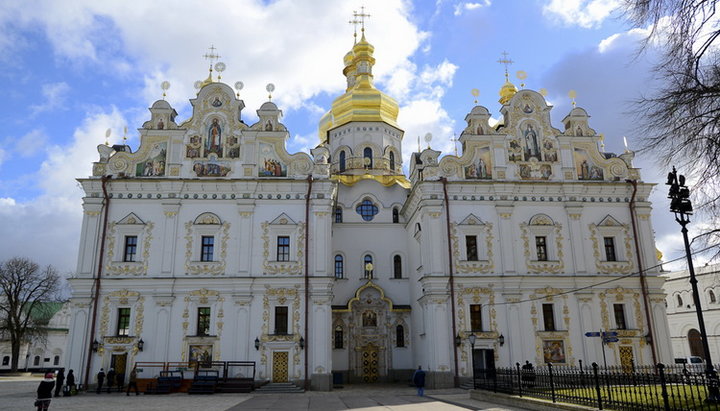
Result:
x=279 y=387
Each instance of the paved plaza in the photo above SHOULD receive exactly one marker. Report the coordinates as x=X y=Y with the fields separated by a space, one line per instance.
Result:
x=19 y=394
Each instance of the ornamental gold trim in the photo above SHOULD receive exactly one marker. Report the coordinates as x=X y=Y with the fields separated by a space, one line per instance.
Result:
x=466 y=266
x=536 y=266
x=612 y=267
x=134 y=268
x=283 y=267
x=206 y=267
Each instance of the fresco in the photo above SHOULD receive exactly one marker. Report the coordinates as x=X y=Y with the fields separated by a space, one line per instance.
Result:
x=154 y=164
x=201 y=353
x=549 y=150
x=531 y=142
x=211 y=168
x=481 y=167
x=554 y=351
x=192 y=150
x=213 y=143
x=535 y=171
x=233 y=152
x=586 y=168
x=270 y=164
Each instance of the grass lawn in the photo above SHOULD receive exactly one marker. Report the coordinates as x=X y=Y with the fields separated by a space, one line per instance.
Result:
x=681 y=397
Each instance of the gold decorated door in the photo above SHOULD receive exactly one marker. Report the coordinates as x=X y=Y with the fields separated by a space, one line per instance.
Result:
x=370 y=358
x=627 y=361
x=280 y=366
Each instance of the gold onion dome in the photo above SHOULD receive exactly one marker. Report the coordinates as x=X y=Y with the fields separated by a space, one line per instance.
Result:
x=361 y=100
x=507 y=91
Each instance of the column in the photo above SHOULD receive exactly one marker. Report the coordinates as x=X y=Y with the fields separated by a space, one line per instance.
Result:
x=169 y=235
x=577 y=249
x=506 y=233
x=90 y=234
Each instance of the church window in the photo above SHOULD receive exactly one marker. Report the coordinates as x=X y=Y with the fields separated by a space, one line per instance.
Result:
x=367 y=210
x=130 y=248
x=392 y=161
x=36 y=360
x=283 y=248
x=56 y=360
x=6 y=360
x=396 y=215
x=541 y=248
x=711 y=294
x=368 y=157
x=368 y=266
x=397 y=267
x=123 y=322
x=339 y=266
x=207 y=248
x=342 y=161
x=471 y=247
x=476 y=317
x=399 y=336
x=679 y=301
x=548 y=317
x=610 y=248
x=281 y=320
x=339 y=337
x=619 y=310
x=203 y=321
x=338 y=215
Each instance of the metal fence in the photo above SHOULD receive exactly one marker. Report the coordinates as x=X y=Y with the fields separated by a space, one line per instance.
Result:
x=660 y=387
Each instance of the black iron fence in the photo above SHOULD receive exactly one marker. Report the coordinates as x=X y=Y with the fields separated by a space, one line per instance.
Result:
x=676 y=387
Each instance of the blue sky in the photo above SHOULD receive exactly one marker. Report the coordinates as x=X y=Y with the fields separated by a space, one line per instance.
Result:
x=69 y=70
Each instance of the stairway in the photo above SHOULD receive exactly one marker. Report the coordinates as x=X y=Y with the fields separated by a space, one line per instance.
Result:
x=278 y=388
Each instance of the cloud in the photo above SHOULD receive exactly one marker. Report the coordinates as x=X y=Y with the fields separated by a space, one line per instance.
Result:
x=54 y=94
x=583 y=13
x=31 y=143
x=462 y=7
x=3 y=154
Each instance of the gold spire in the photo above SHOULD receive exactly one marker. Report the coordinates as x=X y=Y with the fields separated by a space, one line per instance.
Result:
x=508 y=90
x=210 y=56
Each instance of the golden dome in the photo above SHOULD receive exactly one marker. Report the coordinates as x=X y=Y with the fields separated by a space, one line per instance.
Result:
x=361 y=101
x=507 y=91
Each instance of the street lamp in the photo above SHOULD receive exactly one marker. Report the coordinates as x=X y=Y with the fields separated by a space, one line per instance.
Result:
x=501 y=340
x=472 y=337
x=257 y=343
x=95 y=345
x=679 y=195
x=141 y=344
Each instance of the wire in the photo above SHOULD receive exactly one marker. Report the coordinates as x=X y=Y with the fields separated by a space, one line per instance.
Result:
x=602 y=282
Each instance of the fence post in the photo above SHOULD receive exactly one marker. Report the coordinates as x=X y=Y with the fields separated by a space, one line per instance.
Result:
x=663 y=385
x=517 y=365
x=597 y=385
x=552 y=384
x=582 y=374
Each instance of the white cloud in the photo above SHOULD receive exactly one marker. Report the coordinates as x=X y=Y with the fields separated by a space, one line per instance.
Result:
x=54 y=95
x=3 y=154
x=29 y=144
x=583 y=13
x=462 y=7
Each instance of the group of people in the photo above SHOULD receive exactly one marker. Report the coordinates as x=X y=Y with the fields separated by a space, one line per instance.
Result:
x=118 y=379
x=52 y=382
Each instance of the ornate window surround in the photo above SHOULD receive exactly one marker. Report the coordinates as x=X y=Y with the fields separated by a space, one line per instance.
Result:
x=128 y=226
x=206 y=224
x=202 y=298
x=610 y=227
x=633 y=312
x=283 y=226
x=541 y=225
x=108 y=319
x=473 y=225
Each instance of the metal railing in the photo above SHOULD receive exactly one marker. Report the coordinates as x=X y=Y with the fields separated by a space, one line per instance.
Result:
x=676 y=387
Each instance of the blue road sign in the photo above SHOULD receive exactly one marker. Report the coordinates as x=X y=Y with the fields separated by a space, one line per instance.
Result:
x=609 y=334
x=611 y=339
x=592 y=334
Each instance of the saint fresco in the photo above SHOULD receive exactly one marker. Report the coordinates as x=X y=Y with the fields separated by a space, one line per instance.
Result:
x=481 y=167
x=213 y=144
x=554 y=351
x=586 y=168
x=532 y=147
x=154 y=164
x=211 y=168
x=270 y=164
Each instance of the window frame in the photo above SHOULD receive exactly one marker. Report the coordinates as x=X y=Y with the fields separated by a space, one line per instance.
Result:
x=282 y=251
x=368 y=153
x=207 y=248
x=281 y=320
x=471 y=248
x=610 y=249
x=392 y=160
x=476 y=322
x=541 y=248
x=122 y=327
x=367 y=209
x=368 y=274
x=339 y=335
x=339 y=266
x=130 y=250
x=400 y=336
x=342 y=164
x=204 y=321
x=397 y=267
x=548 y=310
x=338 y=214
x=620 y=316
x=395 y=215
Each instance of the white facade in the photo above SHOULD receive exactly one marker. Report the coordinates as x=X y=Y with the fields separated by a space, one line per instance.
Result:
x=508 y=239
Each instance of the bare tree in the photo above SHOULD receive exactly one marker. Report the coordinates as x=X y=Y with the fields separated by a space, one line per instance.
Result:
x=24 y=288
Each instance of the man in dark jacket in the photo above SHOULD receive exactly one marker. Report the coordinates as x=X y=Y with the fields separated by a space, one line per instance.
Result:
x=44 y=392
x=60 y=381
x=100 y=379
x=419 y=381
x=70 y=382
x=110 y=379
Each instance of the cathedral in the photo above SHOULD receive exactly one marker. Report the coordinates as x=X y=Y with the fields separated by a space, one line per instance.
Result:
x=212 y=243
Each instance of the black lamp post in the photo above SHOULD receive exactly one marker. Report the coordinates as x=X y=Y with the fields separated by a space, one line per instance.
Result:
x=141 y=344
x=680 y=204
x=95 y=345
x=257 y=343
x=472 y=337
x=302 y=343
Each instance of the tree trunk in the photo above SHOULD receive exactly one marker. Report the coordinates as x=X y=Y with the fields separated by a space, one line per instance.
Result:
x=14 y=354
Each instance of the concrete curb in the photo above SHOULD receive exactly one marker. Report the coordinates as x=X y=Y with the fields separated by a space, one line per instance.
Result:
x=524 y=402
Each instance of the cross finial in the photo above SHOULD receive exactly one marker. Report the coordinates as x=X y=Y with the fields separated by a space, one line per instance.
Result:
x=355 y=23
x=212 y=55
x=506 y=62
x=455 y=140
x=362 y=16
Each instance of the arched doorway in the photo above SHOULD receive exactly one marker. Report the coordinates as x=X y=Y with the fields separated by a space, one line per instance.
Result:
x=695 y=342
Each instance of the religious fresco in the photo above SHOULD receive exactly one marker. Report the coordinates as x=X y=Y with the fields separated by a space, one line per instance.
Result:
x=554 y=351
x=213 y=143
x=270 y=164
x=201 y=353
x=192 y=150
x=549 y=150
x=531 y=140
x=535 y=171
x=586 y=168
x=481 y=168
x=154 y=164
x=233 y=152
x=211 y=168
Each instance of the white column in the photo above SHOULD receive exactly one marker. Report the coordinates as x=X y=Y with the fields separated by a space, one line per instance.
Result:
x=169 y=236
x=245 y=235
x=576 y=240
x=90 y=235
x=506 y=233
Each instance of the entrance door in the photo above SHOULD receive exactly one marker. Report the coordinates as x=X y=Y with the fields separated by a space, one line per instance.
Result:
x=484 y=361
x=370 y=359
x=627 y=361
x=280 y=366
x=118 y=362
x=695 y=342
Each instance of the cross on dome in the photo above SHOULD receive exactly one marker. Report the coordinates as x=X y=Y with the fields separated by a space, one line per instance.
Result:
x=506 y=62
x=212 y=55
x=362 y=16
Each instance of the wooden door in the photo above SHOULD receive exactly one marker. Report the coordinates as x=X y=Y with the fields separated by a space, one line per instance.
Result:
x=627 y=360
x=370 y=362
x=280 y=366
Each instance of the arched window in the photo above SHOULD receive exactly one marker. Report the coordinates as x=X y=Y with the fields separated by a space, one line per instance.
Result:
x=338 y=215
x=368 y=260
x=339 y=267
x=367 y=157
x=400 y=336
x=711 y=294
x=397 y=267
x=367 y=210
x=36 y=360
x=679 y=301
x=392 y=161
x=339 y=337
x=342 y=161
x=56 y=360
x=6 y=360
x=396 y=215
x=695 y=342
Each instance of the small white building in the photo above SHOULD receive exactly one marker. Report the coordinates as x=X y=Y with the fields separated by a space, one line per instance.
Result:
x=216 y=243
x=682 y=316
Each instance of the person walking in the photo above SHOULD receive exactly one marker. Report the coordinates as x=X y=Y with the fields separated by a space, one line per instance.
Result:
x=419 y=381
x=60 y=380
x=132 y=383
x=120 y=380
x=70 y=382
x=44 y=392
x=100 y=379
x=110 y=379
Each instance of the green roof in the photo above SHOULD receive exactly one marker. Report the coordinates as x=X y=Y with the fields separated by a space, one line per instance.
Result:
x=42 y=312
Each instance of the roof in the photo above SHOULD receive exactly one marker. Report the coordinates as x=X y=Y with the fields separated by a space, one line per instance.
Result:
x=44 y=311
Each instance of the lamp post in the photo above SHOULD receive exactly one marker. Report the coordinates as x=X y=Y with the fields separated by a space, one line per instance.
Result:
x=680 y=204
x=472 y=339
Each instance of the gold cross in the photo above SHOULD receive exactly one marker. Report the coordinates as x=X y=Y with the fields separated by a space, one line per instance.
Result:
x=455 y=140
x=354 y=22
x=505 y=61
x=362 y=16
x=212 y=55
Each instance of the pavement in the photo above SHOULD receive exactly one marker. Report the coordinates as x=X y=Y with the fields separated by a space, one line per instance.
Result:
x=18 y=393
